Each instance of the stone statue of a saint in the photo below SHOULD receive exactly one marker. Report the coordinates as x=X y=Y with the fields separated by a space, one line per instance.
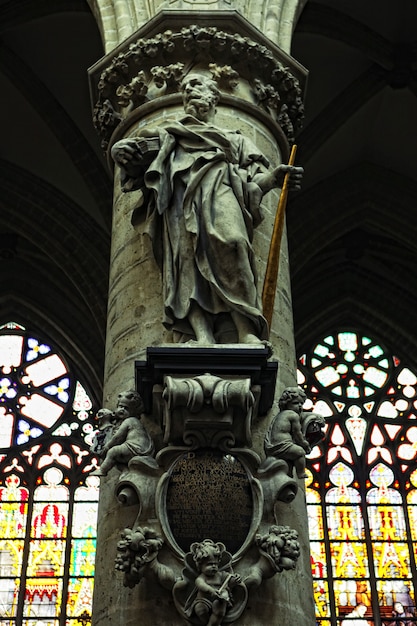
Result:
x=201 y=192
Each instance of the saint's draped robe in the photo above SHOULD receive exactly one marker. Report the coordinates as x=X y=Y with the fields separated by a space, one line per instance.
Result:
x=202 y=207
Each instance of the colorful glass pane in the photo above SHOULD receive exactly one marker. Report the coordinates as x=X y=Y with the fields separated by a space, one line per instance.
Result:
x=6 y=428
x=49 y=520
x=390 y=591
x=45 y=622
x=84 y=519
x=315 y=522
x=356 y=427
x=392 y=560
x=13 y=509
x=349 y=593
x=412 y=513
x=43 y=597
x=345 y=522
x=10 y=352
x=321 y=598
x=46 y=558
x=318 y=559
x=52 y=489
x=34 y=388
x=327 y=376
x=10 y=557
x=382 y=476
x=8 y=597
x=407 y=377
x=83 y=553
x=80 y=598
x=387 y=523
x=349 y=560
x=387 y=409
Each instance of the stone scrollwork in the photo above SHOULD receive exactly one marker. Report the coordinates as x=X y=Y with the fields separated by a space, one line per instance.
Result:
x=208 y=409
x=207 y=426
x=209 y=590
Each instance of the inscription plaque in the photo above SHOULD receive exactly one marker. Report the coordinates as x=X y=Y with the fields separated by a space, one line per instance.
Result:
x=209 y=496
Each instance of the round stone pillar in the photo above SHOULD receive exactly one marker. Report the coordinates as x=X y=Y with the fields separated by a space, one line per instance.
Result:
x=135 y=88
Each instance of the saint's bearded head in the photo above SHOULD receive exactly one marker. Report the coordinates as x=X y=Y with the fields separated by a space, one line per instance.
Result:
x=200 y=95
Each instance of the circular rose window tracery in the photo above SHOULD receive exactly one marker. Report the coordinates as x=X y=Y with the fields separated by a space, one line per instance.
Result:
x=35 y=388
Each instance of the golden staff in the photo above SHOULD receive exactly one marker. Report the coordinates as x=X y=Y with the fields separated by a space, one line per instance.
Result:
x=271 y=273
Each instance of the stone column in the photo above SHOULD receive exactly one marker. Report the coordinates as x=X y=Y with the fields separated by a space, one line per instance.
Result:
x=261 y=96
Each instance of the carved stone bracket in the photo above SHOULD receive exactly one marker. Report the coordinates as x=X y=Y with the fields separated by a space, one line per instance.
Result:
x=184 y=361
x=208 y=411
x=207 y=529
x=153 y=61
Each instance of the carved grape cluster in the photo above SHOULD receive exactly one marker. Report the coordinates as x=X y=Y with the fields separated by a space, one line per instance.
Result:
x=281 y=544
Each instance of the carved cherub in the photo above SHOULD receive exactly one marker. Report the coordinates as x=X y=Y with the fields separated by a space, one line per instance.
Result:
x=217 y=593
x=285 y=439
x=129 y=438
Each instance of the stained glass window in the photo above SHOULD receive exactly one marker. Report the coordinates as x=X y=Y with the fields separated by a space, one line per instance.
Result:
x=48 y=501
x=362 y=486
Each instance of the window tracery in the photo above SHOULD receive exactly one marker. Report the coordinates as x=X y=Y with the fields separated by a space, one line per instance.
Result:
x=48 y=501
x=361 y=490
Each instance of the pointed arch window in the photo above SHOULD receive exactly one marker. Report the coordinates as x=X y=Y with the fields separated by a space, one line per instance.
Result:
x=362 y=486
x=48 y=501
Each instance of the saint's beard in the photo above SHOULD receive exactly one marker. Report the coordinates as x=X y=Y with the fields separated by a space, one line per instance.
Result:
x=198 y=108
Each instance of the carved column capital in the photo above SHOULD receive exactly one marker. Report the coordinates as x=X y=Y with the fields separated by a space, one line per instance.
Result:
x=253 y=73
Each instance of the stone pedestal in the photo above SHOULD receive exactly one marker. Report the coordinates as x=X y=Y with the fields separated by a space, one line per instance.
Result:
x=206 y=489
x=135 y=87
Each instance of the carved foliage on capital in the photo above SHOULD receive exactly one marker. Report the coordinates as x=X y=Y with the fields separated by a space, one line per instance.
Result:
x=153 y=67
